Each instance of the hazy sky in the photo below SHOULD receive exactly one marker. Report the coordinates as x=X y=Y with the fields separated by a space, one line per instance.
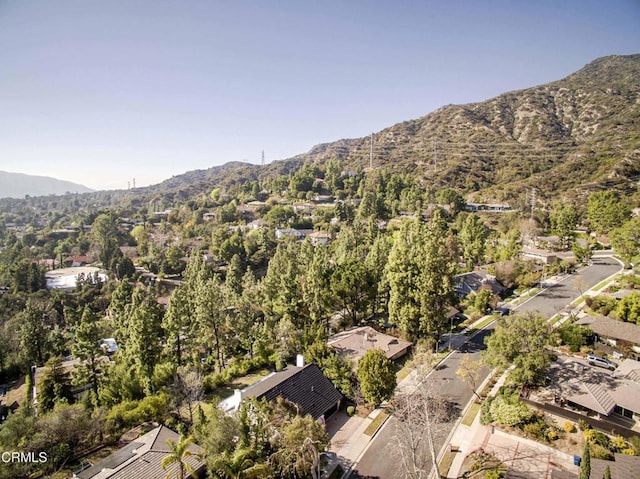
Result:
x=101 y=92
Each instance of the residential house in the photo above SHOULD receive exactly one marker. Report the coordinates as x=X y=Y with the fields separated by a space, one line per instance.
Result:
x=353 y=343
x=143 y=457
x=622 y=336
x=255 y=205
x=578 y=385
x=471 y=283
x=304 y=385
x=77 y=261
x=257 y=224
x=488 y=207
x=282 y=232
x=622 y=467
x=319 y=238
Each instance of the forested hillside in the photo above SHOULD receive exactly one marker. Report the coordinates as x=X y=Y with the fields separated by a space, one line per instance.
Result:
x=574 y=135
x=216 y=278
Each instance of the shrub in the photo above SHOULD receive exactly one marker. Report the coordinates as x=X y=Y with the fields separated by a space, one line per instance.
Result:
x=635 y=444
x=618 y=443
x=569 y=427
x=596 y=437
x=536 y=429
x=351 y=410
x=510 y=414
x=213 y=381
x=575 y=336
x=583 y=425
x=485 y=412
x=552 y=435
x=601 y=452
x=494 y=474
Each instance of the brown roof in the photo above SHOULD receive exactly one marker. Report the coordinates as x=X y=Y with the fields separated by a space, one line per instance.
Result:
x=611 y=328
x=354 y=343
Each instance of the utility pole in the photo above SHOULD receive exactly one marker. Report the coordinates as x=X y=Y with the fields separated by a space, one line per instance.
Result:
x=262 y=157
x=371 y=152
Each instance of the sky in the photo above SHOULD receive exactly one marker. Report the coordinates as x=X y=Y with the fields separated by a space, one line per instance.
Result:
x=102 y=92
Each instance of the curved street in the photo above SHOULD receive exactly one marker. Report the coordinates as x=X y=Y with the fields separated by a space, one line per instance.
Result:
x=378 y=461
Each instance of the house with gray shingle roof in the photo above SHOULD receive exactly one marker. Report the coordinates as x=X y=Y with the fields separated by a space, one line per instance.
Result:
x=590 y=388
x=143 y=457
x=303 y=385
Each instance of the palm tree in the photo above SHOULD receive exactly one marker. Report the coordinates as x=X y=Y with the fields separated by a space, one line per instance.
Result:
x=239 y=465
x=179 y=454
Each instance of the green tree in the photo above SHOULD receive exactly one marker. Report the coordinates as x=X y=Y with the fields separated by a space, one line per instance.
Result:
x=628 y=308
x=143 y=334
x=55 y=386
x=585 y=464
x=178 y=454
x=626 y=240
x=33 y=334
x=376 y=263
x=105 y=233
x=420 y=275
x=472 y=238
x=377 y=376
x=86 y=348
x=239 y=464
x=178 y=325
x=521 y=341
x=120 y=300
x=352 y=288
x=280 y=286
x=210 y=319
x=301 y=442
x=564 y=219
x=605 y=211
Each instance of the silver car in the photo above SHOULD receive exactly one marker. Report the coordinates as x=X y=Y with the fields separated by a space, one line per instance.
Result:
x=595 y=360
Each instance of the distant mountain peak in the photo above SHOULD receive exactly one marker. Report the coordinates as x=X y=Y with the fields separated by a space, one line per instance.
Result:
x=17 y=185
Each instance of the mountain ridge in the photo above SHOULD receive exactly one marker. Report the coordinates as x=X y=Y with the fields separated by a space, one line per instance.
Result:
x=550 y=128
x=17 y=185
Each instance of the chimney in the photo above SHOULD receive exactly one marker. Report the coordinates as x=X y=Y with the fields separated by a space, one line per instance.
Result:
x=300 y=360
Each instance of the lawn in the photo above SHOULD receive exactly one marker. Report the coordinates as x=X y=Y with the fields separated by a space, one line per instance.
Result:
x=376 y=423
x=445 y=463
x=482 y=324
x=468 y=418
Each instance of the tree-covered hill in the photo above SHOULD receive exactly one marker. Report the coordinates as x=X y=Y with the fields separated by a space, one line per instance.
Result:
x=578 y=134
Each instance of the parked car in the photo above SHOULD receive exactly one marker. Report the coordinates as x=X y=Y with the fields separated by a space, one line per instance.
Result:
x=595 y=360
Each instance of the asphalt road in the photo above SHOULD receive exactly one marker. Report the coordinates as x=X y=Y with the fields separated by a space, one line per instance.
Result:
x=378 y=460
x=557 y=296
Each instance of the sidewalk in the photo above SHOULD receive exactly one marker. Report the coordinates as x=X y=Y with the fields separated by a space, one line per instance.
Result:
x=348 y=441
x=516 y=452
